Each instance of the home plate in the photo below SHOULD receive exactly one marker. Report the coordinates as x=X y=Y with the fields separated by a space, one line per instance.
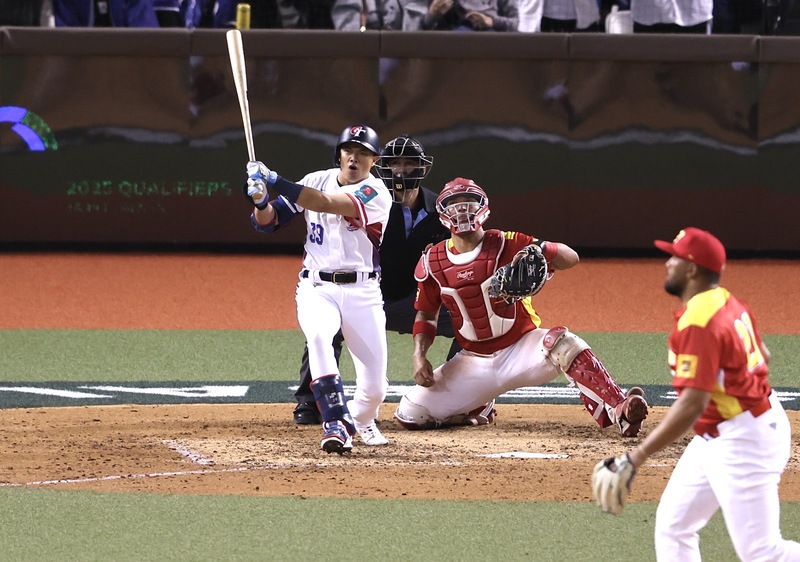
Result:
x=524 y=455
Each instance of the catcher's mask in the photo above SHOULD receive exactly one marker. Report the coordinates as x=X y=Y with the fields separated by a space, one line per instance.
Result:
x=360 y=134
x=462 y=205
x=398 y=177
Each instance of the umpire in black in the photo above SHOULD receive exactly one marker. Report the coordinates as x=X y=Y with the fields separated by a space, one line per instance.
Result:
x=413 y=224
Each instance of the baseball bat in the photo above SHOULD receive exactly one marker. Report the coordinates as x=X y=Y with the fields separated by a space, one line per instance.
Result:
x=236 y=54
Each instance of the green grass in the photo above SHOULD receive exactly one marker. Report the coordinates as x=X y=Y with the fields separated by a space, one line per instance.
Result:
x=61 y=525
x=201 y=356
x=64 y=525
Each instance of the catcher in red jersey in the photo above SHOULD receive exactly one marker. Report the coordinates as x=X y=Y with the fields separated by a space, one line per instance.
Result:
x=504 y=345
x=719 y=366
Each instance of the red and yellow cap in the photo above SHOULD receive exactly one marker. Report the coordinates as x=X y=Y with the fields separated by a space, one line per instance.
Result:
x=697 y=246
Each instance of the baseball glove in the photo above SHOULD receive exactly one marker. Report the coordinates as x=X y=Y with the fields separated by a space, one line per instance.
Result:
x=611 y=483
x=523 y=277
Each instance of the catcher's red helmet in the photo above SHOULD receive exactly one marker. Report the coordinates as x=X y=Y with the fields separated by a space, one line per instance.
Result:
x=361 y=134
x=470 y=210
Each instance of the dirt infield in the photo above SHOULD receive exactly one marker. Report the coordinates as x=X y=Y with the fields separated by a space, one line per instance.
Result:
x=254 y=449
x=257 y=450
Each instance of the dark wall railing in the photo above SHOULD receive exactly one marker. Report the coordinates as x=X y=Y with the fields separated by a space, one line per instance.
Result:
x=133 y=136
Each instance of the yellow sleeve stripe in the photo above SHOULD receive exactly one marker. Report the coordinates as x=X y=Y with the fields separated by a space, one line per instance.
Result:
x=528 y=304
x=701 y=308
x=509 y=235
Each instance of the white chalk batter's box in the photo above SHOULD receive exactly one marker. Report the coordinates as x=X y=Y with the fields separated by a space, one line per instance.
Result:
x=47 y=394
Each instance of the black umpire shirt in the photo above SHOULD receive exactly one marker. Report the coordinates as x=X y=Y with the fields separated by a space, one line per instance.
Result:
x=399 y=255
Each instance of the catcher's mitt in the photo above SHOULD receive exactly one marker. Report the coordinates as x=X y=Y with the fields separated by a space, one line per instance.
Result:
x=611 y=483
x=523 y=277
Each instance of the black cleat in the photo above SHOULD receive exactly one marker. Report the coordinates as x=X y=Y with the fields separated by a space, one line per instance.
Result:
x=306 y=413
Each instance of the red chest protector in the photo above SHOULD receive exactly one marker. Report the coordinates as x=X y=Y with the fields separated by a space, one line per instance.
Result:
x=464 y=290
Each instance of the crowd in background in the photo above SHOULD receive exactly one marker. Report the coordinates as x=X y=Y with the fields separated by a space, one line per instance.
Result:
x=767 y=17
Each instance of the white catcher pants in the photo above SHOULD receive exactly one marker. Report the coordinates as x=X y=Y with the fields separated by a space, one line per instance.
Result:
x=357 y=309
x=469 y=380
x=739 y=472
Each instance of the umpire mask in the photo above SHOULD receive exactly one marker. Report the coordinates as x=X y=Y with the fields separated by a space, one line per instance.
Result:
x=403 y=165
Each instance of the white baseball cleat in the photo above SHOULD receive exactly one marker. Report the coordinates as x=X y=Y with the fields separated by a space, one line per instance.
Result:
x=371 y=435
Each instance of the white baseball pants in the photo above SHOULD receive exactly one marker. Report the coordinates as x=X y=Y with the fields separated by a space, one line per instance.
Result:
x=739 y=472
x=357 y=309
x=469 y=380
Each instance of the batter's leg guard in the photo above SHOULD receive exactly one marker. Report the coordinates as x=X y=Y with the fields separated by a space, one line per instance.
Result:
x=337 y=423
x=601 y=395
x=303 y=394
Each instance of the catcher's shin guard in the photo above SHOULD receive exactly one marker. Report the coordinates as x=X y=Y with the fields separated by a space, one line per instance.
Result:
x=329 y=394
x=631 y=412
x=599 y=392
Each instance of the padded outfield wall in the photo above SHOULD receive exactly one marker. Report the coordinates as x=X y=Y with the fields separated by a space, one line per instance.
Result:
x=606 y=142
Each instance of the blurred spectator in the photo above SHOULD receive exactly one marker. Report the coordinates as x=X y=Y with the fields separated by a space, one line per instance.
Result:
x=168 y=13
x=733 y=16
x=104 y=13
x=472 y=15
x=191 y=12
x=781 y=17
x=20 y=12
x=47 y=14
x=276 y=14
x=562 y=16
x=311 y=14
x=672 y=16
x=360 y=15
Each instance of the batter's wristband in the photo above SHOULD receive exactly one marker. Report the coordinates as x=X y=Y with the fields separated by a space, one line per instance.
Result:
x=262 y=205
x=287 y=188
x=422 y=327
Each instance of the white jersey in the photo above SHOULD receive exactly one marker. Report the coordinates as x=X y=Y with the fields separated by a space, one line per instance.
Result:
x=337 y=243
x=682 y=12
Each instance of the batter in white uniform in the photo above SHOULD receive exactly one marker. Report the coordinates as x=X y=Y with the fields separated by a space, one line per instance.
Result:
x=719 y=366
x=346 y=210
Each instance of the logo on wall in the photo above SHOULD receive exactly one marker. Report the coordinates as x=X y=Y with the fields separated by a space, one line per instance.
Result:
x=29 y=127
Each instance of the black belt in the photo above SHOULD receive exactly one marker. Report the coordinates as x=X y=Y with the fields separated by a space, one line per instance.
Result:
x=338 y=277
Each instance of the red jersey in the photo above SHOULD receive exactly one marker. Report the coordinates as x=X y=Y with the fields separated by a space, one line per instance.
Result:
x=461 y=281
x=715 y=347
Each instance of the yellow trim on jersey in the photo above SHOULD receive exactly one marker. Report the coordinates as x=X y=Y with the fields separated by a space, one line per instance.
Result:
x=509 y=235
x=672 y=360
x=702 y=307
x=686 y=366
x=728 y=406
x=528 y=304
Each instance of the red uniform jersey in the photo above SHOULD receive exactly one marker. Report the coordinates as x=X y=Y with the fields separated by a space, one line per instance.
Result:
x=715 y=347
x=460 y=281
